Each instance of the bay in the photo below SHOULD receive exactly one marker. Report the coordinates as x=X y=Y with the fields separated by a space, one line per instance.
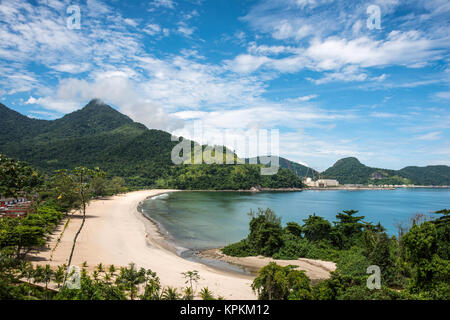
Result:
x=204 y=220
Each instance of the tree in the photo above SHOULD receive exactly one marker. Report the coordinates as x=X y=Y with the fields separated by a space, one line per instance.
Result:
x=443 y=233
x=265 y=232
x=191 y=278
x=16 y=177
x=170 y=293
x=130 y=278
x=117 y=185
x=206 y=294
x=92 y=290
x=21 y=236
x=346 y=229
x=316 y=228
x=152 y=289
x=98 y=186
x=46 y=276
x=294 y=229
x=82 y=178
x=275 y=282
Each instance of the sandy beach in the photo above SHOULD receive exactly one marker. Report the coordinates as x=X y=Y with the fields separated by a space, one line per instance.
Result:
x=314 y=269
x=116 y=233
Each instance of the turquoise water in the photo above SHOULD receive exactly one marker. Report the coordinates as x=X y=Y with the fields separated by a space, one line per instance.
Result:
x=203 y=220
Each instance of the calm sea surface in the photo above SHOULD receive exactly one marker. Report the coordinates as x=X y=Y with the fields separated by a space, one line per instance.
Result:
x=203 y=220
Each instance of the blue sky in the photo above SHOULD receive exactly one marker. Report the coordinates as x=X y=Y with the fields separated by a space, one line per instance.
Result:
x=320 y=71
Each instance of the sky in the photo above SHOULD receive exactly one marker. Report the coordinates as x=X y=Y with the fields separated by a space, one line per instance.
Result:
x=368 y=79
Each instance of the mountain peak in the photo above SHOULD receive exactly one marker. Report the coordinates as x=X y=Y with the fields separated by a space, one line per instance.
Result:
x=97 y=104
x=348 y=160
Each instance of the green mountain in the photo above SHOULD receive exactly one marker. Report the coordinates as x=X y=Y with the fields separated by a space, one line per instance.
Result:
x=297 y=168
x=429 y=175
x=100 y=136
x=351 y=171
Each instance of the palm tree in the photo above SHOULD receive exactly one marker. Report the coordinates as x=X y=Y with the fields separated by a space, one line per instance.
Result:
x=170 y=294
x=152 y=289
x=59 y=275
x=112 y=270
x=188 y=294
x=205 y=294
x=130 y=279
x=100 y=268
x=26 y=270
x=46 y=276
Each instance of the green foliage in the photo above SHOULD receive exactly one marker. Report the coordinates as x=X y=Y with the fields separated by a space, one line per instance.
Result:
x=294 y=229
x=206 y=294
x=351 y=171
x=240 y=249
x=265 y=237
x=420 y=257
x=100 y=136
x=316 y=228
x=275 y=282
x=298 y=169
x=225 y=177
x=92 y=289
x=347 y=229
x=430 y=270
x=16 y=177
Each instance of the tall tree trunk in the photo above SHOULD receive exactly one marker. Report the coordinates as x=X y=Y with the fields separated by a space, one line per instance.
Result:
x=83 y=200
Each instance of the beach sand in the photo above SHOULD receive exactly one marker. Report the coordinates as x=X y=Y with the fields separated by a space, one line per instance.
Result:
x=115 y=232
x=314 y=269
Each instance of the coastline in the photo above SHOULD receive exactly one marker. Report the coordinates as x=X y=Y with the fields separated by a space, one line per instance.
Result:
x=116 y=233
x=314 y=269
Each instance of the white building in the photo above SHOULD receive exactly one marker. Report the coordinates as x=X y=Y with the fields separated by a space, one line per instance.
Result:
x=321 y=183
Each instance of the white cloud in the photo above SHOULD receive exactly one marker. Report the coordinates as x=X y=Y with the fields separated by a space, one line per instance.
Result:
x=431 y=136
x=185 y=30
x=71 y=68
x=247 y=63
x=152 y=29
x=169 y=4
x=443 y=95
x=303 y=98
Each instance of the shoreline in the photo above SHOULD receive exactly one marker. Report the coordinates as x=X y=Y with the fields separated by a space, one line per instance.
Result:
x=166 y=242
x=117 y=233
x=314 y=268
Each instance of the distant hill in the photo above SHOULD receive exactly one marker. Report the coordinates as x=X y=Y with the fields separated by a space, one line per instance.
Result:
x=100 y=136
x=352 y=171
x=297 y=168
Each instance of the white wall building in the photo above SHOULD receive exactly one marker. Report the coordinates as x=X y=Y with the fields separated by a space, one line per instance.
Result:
x=321 y=183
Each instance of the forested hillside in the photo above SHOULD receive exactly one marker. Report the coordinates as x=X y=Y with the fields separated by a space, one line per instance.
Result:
x=351 y=171
x=297 y=168
x=100 y=136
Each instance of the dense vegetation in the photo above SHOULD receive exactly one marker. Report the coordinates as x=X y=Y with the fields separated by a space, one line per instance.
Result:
x=351 y=171
x=414 y=265
x=100 y=136
x=297 y=168
x=52 y=199
x=225 y=177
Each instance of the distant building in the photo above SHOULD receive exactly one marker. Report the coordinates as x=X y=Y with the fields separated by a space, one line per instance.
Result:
x=321 y=183
x=14 y=208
